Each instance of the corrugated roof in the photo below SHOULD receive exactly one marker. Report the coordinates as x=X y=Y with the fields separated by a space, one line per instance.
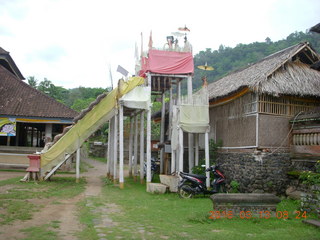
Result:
x=20 y=99
x=284 y=72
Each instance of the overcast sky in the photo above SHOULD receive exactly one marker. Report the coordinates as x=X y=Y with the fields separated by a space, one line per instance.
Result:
x=73 y=42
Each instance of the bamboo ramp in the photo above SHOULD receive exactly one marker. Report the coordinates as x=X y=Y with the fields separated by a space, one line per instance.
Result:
x=87 y=125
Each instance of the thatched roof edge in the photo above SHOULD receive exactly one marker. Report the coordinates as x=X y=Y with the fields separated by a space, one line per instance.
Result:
x=273 y=75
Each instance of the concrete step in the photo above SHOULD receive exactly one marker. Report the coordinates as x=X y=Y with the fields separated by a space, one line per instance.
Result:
x=157 y=188
x=312 y=222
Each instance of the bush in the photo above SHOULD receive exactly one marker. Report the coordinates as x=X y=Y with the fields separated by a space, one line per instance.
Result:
x=234 y=186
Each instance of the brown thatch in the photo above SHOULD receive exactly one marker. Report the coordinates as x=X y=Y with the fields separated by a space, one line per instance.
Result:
x=286 y=72
x=315 y=28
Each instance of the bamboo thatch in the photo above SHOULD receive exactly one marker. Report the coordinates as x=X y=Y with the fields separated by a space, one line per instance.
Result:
x=286 y=72
x=315 y=28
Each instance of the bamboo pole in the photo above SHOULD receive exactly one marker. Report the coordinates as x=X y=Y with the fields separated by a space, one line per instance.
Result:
x=135 y=149
x=142 y=147
x=131 y=145
x=121 y=178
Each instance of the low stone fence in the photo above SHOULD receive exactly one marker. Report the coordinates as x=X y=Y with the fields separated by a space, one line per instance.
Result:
x=245 y=205
x=256 y=172
x=310 y=201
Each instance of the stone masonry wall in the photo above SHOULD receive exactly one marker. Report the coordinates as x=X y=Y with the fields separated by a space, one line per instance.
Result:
x=256 y=172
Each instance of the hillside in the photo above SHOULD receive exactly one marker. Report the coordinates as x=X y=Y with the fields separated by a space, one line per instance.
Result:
x=227 y=59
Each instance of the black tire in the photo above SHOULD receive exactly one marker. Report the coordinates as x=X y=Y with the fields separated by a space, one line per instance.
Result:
x=185 y=191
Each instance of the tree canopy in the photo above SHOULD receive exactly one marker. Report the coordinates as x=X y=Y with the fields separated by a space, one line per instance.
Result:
x=227 y=59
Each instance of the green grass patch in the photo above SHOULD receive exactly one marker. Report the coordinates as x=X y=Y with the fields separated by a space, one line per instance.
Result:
x=16 y=197
x=100 y=159
x=141 y=215
x=45 y=231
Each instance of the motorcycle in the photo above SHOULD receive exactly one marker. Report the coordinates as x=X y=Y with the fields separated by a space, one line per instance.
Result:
x=192 y=184
x=154 y=167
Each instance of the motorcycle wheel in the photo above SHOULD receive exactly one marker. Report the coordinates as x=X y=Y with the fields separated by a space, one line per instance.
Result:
x=185 y=191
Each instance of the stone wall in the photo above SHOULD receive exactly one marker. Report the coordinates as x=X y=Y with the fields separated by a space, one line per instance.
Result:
x=310 y=201
x=256 y=172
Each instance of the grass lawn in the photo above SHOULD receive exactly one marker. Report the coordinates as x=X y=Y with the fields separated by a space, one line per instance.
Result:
x=141 y=215
x=16 y=197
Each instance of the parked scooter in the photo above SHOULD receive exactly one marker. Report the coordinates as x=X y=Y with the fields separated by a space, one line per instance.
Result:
x=155 y=166
x=192 y=184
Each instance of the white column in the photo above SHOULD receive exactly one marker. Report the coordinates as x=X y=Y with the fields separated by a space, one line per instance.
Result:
x=149 y=136
x=162 y=131
x=131 y=145
x=48 y=133
x=178 y=91
x=190 y=151
x=180 y=150
x=121 y=177
x=111 y=152
x=190 y=135
x=115 y=148
x=108 y=150
x=135 y=148
x=196 y=142
x=142 y=147
x=206 y=140
x=78 y=164
x=189 y=90
x=170 y=111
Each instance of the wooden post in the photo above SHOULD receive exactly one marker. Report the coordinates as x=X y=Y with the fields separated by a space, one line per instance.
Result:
x=115 y=148
x=149 y=136
x=207 y=158
x=196 y=142
x=142 y=147
x=135 y=149
x=131 y=145
x=180 y=150
x=121 y=178
x=162 y=131
x=78 y=165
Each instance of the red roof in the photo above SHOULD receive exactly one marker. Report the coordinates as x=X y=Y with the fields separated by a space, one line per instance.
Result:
x=19 y=99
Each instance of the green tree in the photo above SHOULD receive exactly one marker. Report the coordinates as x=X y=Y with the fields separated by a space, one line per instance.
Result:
x=80 y=104
x=32 y=81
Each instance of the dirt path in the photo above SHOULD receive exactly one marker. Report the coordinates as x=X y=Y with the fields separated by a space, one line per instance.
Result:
x=65 y=212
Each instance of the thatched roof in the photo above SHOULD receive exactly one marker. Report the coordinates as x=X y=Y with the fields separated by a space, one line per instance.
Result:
x=315 y=28
x=286 y=72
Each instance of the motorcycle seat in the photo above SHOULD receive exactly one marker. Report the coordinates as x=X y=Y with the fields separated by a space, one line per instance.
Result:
x=194 y=175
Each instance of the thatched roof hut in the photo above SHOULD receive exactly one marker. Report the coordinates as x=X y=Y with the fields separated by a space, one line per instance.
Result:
x=315 y=28
x=286 y=72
